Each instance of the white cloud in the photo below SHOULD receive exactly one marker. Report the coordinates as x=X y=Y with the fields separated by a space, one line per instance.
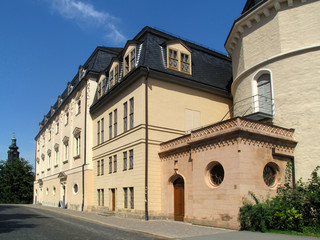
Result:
x=86 y=14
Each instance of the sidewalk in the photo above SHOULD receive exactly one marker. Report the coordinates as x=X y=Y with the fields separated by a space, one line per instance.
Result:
x=169 y=229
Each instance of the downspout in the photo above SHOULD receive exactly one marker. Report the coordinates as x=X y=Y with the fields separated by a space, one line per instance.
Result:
x=146 y=150
x=85 y=146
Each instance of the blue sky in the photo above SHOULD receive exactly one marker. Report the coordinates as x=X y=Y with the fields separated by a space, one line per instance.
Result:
x=43 y=42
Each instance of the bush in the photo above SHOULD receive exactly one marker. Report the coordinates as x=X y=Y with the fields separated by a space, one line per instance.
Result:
x=296 y=207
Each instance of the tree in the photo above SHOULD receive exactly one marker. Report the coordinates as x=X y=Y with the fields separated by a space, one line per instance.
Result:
x=16 y=181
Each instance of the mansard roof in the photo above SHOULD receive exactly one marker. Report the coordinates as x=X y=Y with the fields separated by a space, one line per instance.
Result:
x=209 y=68
x=96 y=63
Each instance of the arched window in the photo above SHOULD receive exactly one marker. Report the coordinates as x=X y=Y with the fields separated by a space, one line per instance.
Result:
x=262 y=94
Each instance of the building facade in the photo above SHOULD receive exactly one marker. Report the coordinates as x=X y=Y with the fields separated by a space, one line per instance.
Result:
x=164 y=128
x=275 y=51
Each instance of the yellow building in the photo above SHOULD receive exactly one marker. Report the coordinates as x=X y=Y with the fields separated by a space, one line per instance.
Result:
x=164 y=128
x=275 y=51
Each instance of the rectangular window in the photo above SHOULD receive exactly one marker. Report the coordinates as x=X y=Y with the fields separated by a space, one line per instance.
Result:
x=49 y=134
x=77 y=142
x=66 y=118
x=102 y=197
x=56 y=157
x=126 y=64
x=131 y=198
x=185 y=65
x=66 y=151
x=110 y=164
x=99 y=197
x=115 y=124
x=49 y=160
x=98 y=168
x=125 y=116
x=125 y=161
x=98 y=132
x=133 y=59
x=99 y=89
x=102 y=130
x=173 y=59
x=115 y=163
x=104 y=85
x=131 y=159
x=110 y=125
x=78 y=107
x=102 y=167
x=116 y=74
x=131 y=112
x=111 y=78
x=57 y=127
x=125 y=191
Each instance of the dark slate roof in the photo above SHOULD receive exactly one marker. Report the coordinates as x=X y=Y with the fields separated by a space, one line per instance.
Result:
x=209 y=68
x=97 y=62
x=250 y=4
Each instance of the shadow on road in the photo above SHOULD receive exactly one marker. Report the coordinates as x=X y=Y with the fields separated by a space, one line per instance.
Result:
x=14 y=219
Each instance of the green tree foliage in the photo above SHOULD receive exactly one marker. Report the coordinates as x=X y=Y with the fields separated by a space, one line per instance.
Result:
x=16 y=181
x=295 y=207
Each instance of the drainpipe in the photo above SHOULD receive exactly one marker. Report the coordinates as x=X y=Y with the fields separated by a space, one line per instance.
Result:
x=146 y=150
x=85 y=146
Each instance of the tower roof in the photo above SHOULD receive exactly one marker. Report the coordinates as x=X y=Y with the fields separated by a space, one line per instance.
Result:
x=13 y=152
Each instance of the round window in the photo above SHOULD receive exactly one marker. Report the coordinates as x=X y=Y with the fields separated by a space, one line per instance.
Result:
x=217 y=174
x=270 y=173
x=75 y=188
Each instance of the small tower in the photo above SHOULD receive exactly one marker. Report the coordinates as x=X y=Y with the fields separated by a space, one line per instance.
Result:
x=13 y=153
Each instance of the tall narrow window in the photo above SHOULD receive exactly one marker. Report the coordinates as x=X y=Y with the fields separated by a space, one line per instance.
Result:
x=133 y=59
x=102 y=197
x=99 y=201
x=125 y=161
x=77 y=143
x=131 y=112
x=131 y=198
x=264 y=94
x=110 y=125
x=104 y=86
x=110 y=164
x=111 y=78
x=57 y=126
x=102 y=167
x=126 y=64
x=115 y=163
x=98 y=168
x=66 y=118
x=173 y=59
x=79 y=107
x=115 y=124
x=98 y=132
x=125 y=116
x=56 y=155
x=125 y=191
x=49 y=159
x=102 y=130
x=116 y=74
x=99 y=89
x=131 y=159
x=66 y=149
x=185 y=65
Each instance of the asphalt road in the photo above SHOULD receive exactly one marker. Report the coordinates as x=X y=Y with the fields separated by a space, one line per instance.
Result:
x=19 y=222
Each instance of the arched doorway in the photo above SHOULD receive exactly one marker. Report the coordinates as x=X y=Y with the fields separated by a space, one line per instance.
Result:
x=178 y=194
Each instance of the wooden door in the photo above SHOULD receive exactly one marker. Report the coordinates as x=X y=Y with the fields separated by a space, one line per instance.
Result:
x=178 y=187
x=113 y=191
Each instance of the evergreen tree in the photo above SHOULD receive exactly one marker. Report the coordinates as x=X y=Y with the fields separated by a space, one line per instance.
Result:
x=16 y=181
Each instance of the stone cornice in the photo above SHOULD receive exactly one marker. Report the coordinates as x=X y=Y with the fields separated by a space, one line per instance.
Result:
x=246 y=21
x=236 y=129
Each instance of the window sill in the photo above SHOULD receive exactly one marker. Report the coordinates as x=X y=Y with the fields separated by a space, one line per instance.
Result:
x=76 y=157
x=64 y=162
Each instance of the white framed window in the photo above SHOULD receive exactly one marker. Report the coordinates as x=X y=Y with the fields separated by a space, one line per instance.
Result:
x=131 y=115
x=66 y=149
x=179 y=58
x=77 y=142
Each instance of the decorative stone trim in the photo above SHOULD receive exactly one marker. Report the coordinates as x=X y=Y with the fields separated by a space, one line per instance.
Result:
x=247 y=21
x=231 y=132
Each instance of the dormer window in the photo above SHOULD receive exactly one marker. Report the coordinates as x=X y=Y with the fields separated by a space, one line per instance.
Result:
x=116 y=74
x=179 y=57
x=111 y=78
x=104 y=86
x=130 y=59
x=173 y=59
x=99 y=89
